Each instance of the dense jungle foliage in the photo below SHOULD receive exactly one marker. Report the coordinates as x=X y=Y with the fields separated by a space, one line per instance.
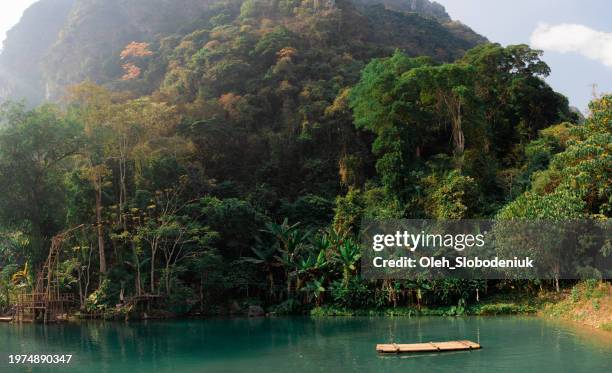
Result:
x=229 y=162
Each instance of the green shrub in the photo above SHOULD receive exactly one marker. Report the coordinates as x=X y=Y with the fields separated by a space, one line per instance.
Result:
x=575 y=294
x=100 y=298
x=355 y=295
x=179 y=299
x=288 y=307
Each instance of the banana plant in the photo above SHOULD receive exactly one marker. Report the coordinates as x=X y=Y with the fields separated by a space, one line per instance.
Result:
x=315 y=289
x=265 y=257
x=292 y=241
x=348 y=254
x=23 y=276
x=306 y=266
x=322 y=242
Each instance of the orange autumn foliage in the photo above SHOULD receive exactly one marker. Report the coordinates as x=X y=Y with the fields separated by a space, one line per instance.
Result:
x=131 y=71
x=135 y=49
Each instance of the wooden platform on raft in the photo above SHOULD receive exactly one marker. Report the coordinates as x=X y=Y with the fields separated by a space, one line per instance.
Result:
x=395 y=348
x=6 y=319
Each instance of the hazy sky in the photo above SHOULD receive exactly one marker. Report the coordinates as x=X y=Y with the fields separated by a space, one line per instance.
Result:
x=576 y=35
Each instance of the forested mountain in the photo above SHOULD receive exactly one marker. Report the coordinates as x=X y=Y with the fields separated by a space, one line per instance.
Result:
x=63 y=42
x=227 y=150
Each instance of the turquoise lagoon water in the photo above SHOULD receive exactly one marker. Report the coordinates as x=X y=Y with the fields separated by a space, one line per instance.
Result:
x=302 y=344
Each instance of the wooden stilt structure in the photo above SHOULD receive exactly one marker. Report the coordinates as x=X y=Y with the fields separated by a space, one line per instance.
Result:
x=46 y=303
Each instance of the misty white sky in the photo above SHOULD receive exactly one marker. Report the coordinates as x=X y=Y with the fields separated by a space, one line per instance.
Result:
x=10 y=12
x=576 y=35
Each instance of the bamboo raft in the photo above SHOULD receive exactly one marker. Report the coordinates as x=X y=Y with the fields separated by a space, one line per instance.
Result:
x=6 y=319
x=395 y=348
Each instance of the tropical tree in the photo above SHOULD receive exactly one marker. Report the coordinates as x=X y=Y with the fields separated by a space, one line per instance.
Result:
x=265 y=256
x=35 y=147
x=291 y=242
x=92 y=105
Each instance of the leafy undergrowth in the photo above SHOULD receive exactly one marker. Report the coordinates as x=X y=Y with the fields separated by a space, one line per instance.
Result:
x=588 y=302
x=494 y=306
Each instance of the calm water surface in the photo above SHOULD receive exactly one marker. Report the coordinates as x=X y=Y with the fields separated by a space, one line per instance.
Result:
x=295 y=345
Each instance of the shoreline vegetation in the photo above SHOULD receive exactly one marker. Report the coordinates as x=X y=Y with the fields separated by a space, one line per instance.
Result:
x=586 y=303
x=492 y=307
x=223 y=167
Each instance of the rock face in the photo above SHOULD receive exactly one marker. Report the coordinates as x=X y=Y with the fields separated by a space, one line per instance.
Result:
x=422 y=7
x=62 y=42
x=97 y=30
x=26 y=47
x=429 y=9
